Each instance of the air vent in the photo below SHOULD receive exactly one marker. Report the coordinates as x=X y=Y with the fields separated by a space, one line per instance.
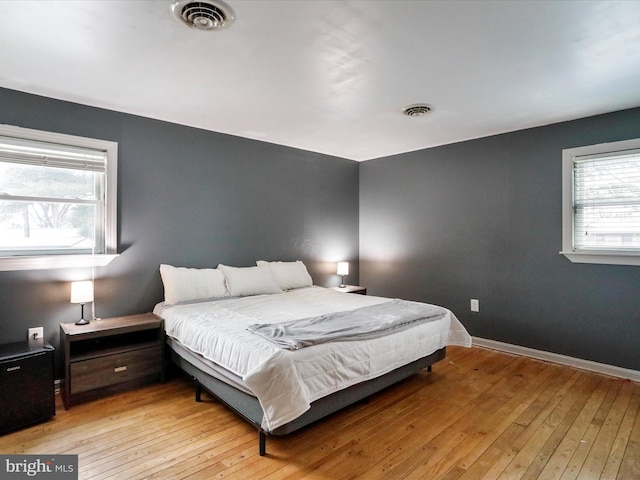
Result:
x=205 y=15
x=417 y=110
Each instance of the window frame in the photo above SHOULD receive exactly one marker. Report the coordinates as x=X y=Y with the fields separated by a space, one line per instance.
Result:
x=54 y=260
x=604 y=256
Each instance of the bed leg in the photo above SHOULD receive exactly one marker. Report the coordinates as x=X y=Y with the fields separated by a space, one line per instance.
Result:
x=263 y=443
x=198 y=390
x=429 y=368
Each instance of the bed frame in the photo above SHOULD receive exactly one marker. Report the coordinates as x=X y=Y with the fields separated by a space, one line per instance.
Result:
x=248 y=407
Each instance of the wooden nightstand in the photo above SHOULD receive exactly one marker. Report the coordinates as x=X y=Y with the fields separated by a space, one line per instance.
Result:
x=111 y=355
x=351 y=289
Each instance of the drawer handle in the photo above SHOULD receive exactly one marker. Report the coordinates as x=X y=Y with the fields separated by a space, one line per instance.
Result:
x=13 y=369
x=120 y=369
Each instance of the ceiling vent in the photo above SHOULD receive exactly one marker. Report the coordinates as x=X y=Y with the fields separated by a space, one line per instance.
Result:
x=203 y=15
x=417 y=110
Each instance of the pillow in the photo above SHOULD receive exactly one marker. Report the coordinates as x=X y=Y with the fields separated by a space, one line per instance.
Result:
x=187 y=284
x=243 y=281
x=289 y=275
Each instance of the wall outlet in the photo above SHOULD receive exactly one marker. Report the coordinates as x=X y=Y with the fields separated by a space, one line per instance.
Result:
x=475 y=305
x=36 y=332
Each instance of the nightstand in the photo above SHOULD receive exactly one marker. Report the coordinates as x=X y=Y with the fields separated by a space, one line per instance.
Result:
x=111 y=355
x=26 y=376
x=351 y=289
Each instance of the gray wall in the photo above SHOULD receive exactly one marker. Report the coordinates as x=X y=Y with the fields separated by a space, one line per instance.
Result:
x=478 y=219
x=187 y=197
x=482 y=219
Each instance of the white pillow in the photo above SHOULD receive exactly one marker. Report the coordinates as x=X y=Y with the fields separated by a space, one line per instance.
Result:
x=187 y=284
x=289 y=275
x=244 y=281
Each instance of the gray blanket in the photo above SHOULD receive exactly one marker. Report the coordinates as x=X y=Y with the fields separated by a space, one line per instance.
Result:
x=359 y=324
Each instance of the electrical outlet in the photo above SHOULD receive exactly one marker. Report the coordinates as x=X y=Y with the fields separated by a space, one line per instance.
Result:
x=475 y=305
x=36 y=332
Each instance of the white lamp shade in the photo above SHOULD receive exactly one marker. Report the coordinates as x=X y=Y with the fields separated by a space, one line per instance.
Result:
x=82 y=292
x=343 y=268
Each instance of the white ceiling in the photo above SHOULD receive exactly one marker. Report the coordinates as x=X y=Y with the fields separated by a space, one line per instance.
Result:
x=333 y=76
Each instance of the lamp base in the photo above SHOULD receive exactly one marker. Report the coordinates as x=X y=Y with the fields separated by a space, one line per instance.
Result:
x=342 y=286
x=82 y=321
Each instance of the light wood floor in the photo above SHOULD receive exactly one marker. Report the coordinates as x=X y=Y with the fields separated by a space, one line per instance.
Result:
x=479 y=415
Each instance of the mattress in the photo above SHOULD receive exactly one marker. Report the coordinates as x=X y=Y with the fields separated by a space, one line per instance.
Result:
x=208 y=367
x=287 y=382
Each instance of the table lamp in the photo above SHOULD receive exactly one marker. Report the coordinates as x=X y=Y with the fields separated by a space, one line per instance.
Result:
x=343 y=269
x=82 y=292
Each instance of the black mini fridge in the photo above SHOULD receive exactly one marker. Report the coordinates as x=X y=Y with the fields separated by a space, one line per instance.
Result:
x=26 y=384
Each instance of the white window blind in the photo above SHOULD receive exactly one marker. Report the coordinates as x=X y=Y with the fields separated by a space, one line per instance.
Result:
x=31 y=152
x=606 y=201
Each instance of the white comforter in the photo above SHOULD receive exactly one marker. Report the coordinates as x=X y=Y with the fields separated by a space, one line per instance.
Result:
x=286 y=382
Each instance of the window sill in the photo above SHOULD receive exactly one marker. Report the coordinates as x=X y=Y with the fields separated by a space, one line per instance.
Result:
x=604 y=257
x=54 y=261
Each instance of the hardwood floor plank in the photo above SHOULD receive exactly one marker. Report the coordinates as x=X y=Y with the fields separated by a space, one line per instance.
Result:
x=209 y=458
x=360 y=419
x=491 y=428
x=138 y=454
x=528 y=462
x=599 y=453
x=630 y=462
x=496 y=457
x=482 y=405
x=63 y=427
x=476 y=425
x=575 y=435
x=586 y=443
x=421 y=402
x=480 y=414
x=581 y=393
x=614 y=460
x=530 y=419
x=484 y=378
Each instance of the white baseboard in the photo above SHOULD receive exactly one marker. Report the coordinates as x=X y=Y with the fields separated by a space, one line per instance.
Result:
x=603 y=368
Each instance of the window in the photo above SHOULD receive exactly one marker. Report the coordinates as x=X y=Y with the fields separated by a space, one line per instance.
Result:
x=57 y=200
x=601 y=203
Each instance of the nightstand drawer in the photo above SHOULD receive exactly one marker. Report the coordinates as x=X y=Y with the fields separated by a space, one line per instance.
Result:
x=113 y=369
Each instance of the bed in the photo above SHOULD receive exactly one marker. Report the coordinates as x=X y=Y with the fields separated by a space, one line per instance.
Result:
x=215 y=321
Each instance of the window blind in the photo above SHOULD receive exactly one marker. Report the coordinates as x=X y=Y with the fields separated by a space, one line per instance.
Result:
x=33 y=152
x=606 y=201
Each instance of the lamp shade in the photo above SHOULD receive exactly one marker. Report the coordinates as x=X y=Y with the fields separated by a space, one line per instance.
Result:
x=82 y=292
x=343 y=268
